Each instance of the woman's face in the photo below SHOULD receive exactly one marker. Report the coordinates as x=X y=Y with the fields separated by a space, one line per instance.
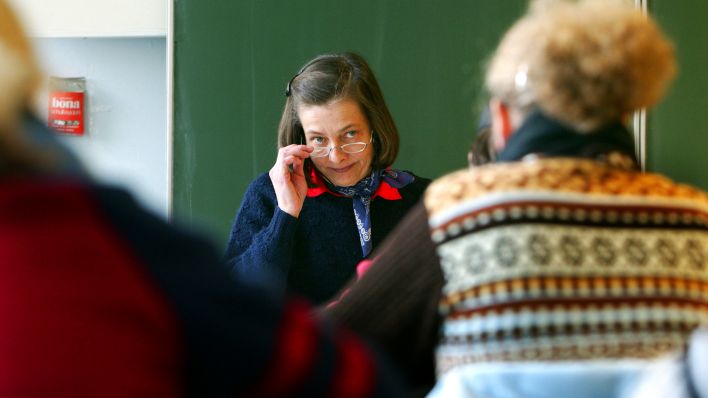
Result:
x=333 y=124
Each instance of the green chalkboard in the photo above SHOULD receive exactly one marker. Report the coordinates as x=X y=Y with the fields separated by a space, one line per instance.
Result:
x=234 y=58
x=677 y=142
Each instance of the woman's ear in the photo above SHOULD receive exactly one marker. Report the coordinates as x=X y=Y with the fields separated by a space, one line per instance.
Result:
x=502 y=126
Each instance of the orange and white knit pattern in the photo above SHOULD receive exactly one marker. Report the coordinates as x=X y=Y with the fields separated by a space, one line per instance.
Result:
x=567 y=259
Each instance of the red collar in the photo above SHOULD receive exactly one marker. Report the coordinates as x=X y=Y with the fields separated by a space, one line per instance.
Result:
x=384 y=190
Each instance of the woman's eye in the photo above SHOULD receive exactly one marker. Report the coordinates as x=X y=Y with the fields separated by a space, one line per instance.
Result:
x=350 y=134
x=318 y=140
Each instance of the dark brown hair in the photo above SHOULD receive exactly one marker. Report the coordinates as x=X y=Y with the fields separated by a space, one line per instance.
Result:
x=481 y=151
x=332 y=77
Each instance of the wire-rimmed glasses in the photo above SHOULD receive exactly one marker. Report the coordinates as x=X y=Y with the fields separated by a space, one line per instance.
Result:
x=354 y=147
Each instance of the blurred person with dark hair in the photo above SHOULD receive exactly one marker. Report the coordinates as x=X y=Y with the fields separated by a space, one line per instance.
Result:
x=481 y=151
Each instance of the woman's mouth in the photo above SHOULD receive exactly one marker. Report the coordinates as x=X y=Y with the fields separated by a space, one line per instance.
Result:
x=342 y=169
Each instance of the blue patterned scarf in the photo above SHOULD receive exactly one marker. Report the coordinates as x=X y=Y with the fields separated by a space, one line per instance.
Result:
x=361 y=194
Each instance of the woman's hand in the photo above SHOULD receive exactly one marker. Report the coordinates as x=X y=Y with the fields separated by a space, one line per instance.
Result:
x=288 y=178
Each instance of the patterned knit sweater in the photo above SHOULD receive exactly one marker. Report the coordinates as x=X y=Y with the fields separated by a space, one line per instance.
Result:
x=573 y=256
x=567 y=259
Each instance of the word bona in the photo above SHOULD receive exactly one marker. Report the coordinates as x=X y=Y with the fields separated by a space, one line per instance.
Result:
x=66 y=104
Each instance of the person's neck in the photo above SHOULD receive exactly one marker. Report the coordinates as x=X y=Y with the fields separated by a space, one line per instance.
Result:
x=546 y=137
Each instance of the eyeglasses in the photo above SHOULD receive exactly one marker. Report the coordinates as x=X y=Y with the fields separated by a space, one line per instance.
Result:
x=354 y=147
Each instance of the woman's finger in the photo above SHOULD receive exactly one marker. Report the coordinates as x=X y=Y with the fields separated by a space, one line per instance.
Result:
x=302 y=151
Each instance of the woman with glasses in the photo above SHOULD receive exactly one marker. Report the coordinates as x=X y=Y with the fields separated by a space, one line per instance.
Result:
x=331 y=196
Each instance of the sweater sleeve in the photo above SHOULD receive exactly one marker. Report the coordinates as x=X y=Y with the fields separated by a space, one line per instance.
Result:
x=395 y=302
x=239 y=339
x=261 y=242
x=311 y=358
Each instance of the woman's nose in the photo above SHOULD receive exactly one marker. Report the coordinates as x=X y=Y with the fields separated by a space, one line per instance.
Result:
x=336 y=154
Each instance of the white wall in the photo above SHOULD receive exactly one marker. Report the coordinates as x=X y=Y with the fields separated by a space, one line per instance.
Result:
x=126 y=139
x=93 y=18
x=121 y=48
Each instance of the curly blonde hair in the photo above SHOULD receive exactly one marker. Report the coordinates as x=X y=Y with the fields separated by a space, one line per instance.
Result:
x=20 y=77
x=585 y=63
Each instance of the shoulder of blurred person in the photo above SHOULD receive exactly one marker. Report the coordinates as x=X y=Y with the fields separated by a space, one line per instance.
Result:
x=101 y=297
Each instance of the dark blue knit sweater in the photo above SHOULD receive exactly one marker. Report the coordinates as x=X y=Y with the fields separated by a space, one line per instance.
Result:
x=313 y=255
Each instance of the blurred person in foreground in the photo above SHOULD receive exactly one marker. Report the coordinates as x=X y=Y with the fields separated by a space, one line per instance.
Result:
x=102 y=299
x=562 y=269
